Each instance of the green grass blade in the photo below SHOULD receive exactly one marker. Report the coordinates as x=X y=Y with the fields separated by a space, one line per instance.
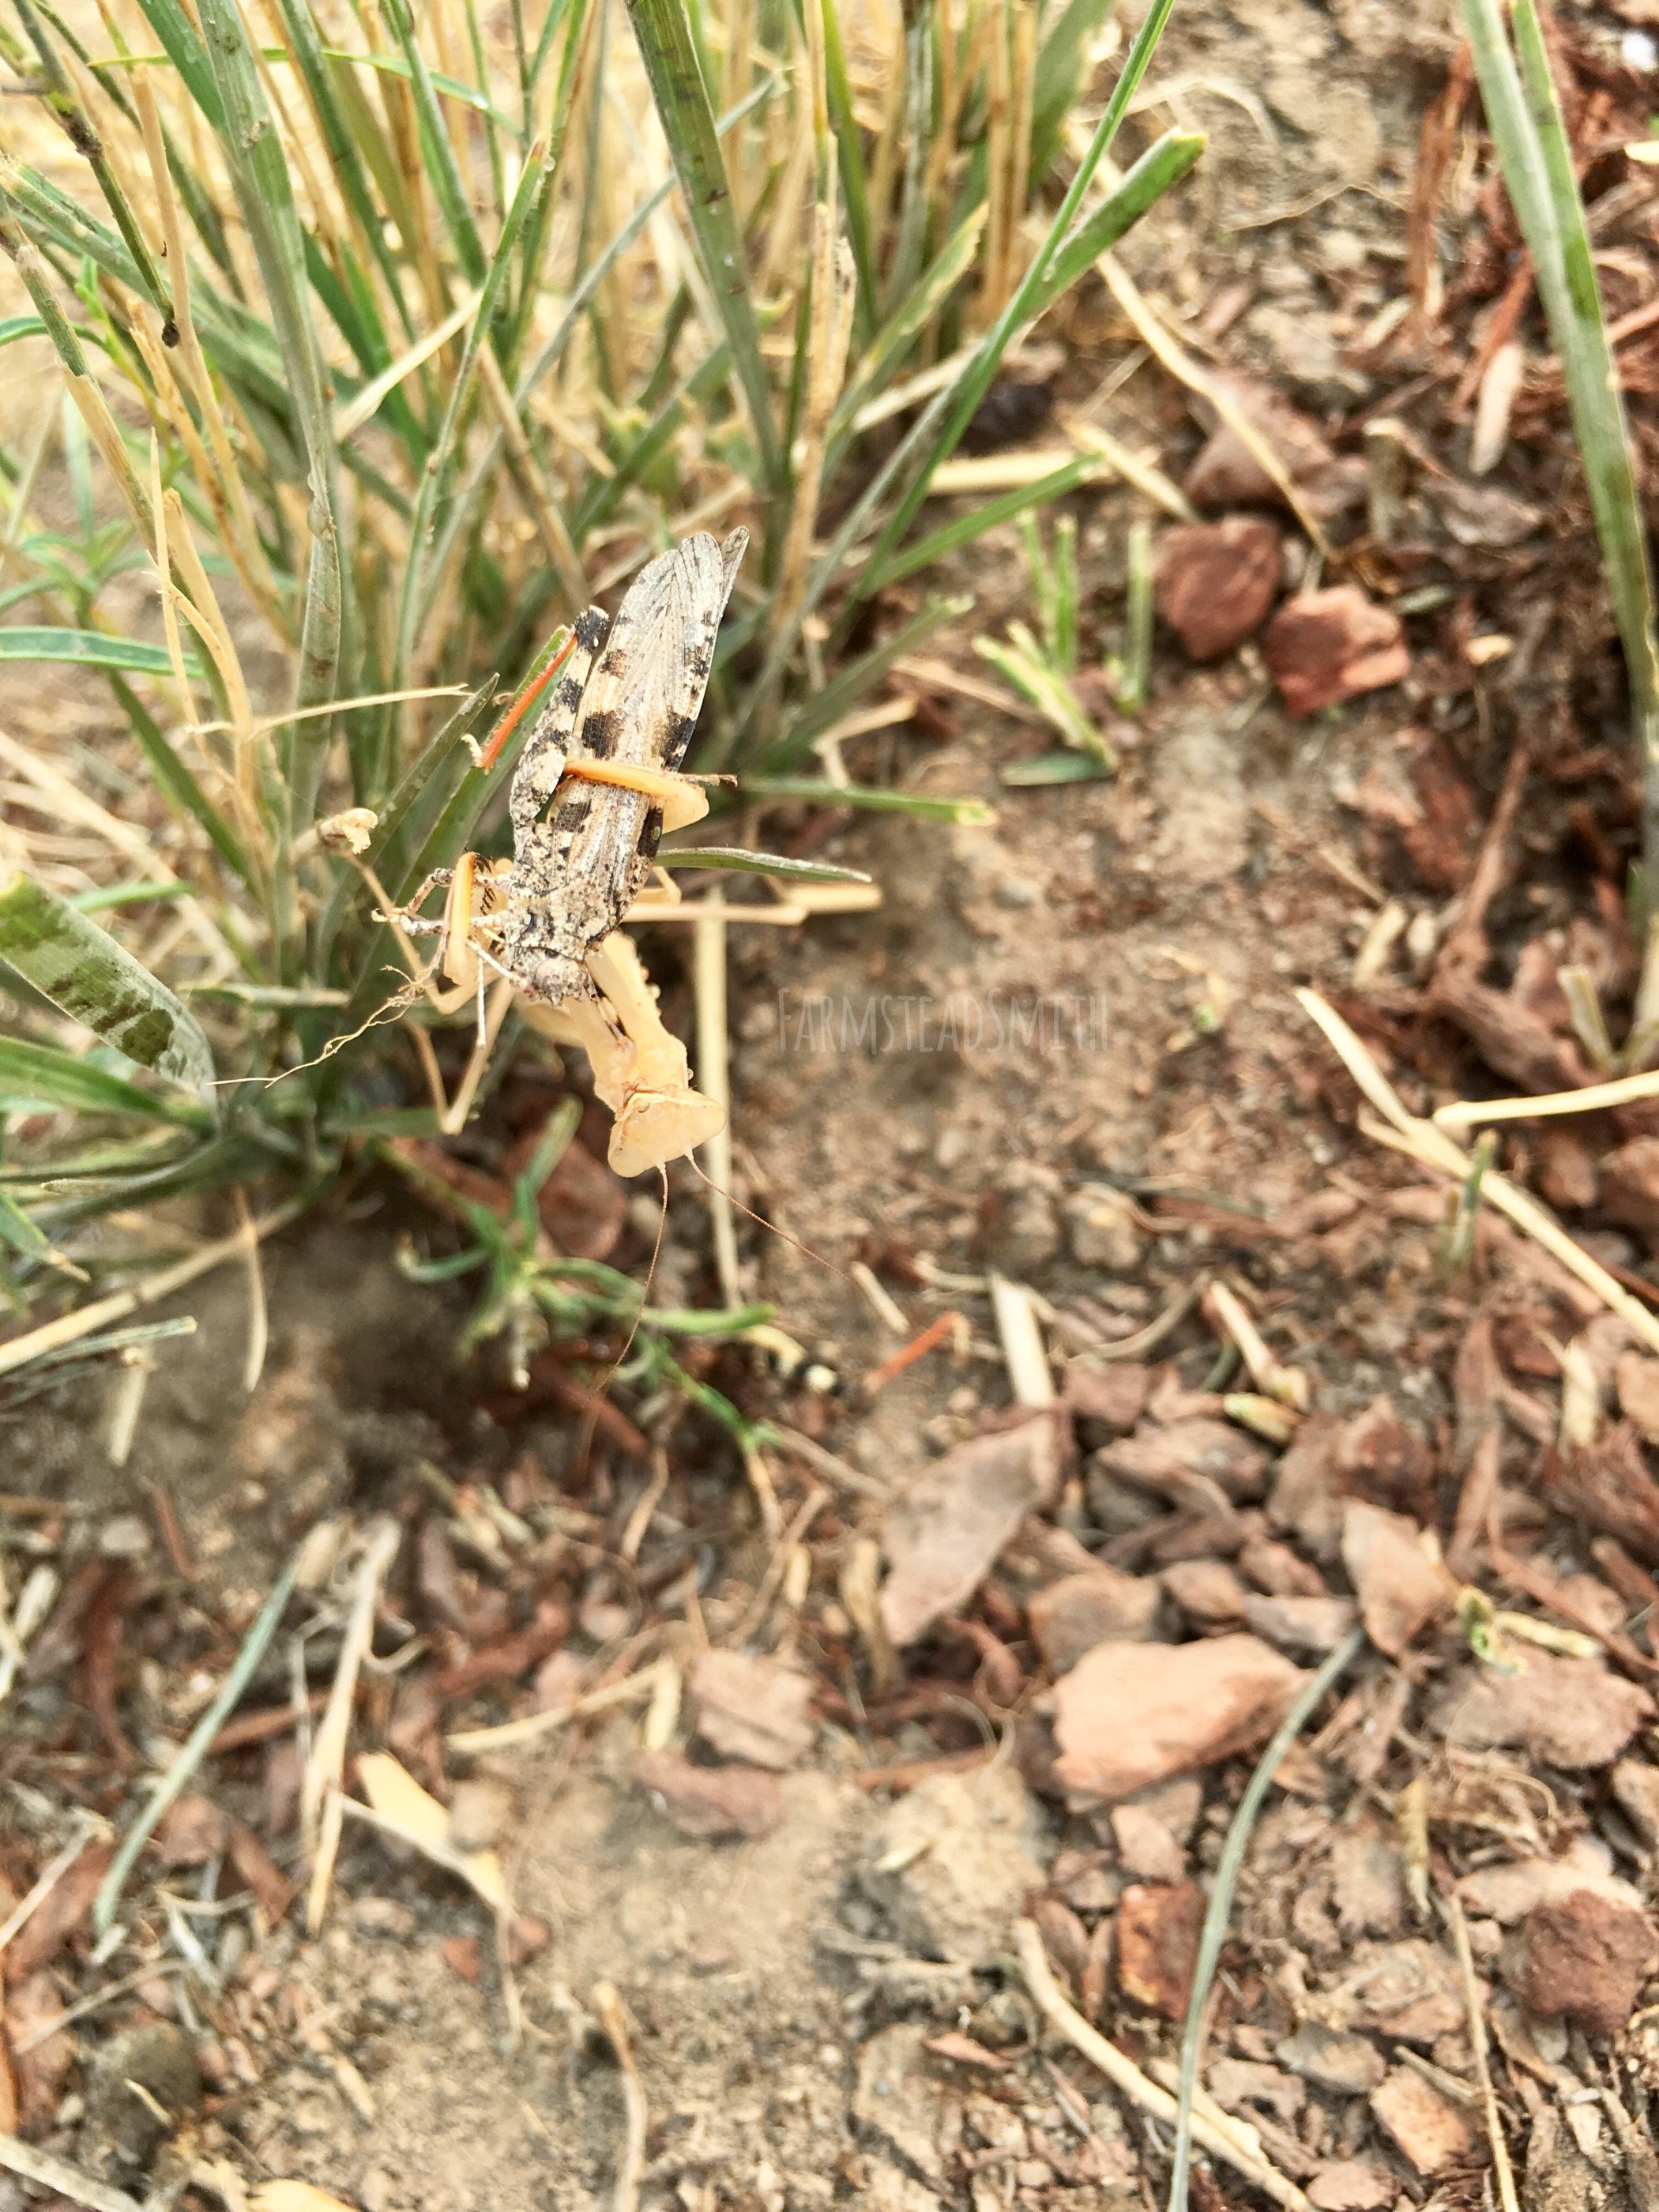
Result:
x=451 y=87
x=1164 y=163
x=185 y=50
x=1005 y=507
x=663 y=31
x=40 y=1077
x=816 y=791
x=176 y=782
x=844 y=691
x=855 y=198
x=1050 y=768
x=88 y=975
x=91 y=648
x=1565 y=267
x=264 y=194
x=437 y=153
x=1059 y=72
x=1032 y=291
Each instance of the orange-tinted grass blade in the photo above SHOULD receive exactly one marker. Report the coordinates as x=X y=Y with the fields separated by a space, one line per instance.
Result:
x=521 y=706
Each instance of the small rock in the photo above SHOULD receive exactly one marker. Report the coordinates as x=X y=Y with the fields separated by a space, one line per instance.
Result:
x=1098 y=1605
x=1571 y=1713
x=944 y=1534
x=1636 y=1378
x=124 y=1537
x=1023 y=1234
x=1207 y=1591
x=1305 y=1627
x=1349 y=2185
x=1113 y=1396
x=1132 y=1714
x=1348 y=2065
x=144 y=2083
x=1175 y=1456
x=1583 y=1956
x=1325 y=646
x=385 y=1916
x=480 y=1813
x=1101 y=1231
x=1217 y=581
x=1401 y=1589
x=1636 y=1785
x=711 y=1801
x=1158 y=1932
x=1306 y=1495
x=1146 y=1844
x=1411 y=1990
x=753 y=1710
x=461 y=1954
x=953 y=1862
x=1237 y=2083
x=1378 y=1457
x=1429 y=2133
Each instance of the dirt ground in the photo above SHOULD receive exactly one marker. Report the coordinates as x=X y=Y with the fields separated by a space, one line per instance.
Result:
x=815 y=1952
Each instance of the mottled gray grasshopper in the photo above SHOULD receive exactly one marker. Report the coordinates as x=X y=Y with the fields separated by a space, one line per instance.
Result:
x=602 y=764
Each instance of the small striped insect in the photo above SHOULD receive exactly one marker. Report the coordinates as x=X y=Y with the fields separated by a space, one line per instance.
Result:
x=597 y=784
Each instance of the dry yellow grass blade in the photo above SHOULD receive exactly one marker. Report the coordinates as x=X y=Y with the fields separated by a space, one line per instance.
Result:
x=1423 y=1142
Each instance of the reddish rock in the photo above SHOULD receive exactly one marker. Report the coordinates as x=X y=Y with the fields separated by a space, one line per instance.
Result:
x=1325 y=646
x=1158 y=1932
x=1217 y=582
x=1132 y=1714
x=461 y=1954
x=1400 y=1588
x=1099 y=1605
x=1378 y=1457
x=711 y=1801
x=1115 y=1396
x=1430 y=2133
x=1584 y=1956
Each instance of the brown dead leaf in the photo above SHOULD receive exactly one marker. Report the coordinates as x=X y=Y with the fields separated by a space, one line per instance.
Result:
x=1132 y=1714
x=1158 y=1932
x=67 y=1905
x=1583 y=1955
x=944 y=1534
x=753 y=1710
x=1430 y=2133
x=961 y=2051
x=254 y=1865
x=191 y=1832
x=1608 y=1486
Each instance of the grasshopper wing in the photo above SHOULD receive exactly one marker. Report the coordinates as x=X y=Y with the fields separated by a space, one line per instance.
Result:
x=644 y=695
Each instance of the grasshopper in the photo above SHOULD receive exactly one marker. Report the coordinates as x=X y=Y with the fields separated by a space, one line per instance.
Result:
x=596 y=786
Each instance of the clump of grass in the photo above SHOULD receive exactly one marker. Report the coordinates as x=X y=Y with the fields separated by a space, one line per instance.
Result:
x=1524 y=116
x=386 y=340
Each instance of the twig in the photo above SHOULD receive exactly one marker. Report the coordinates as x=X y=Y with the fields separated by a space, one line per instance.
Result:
x=1219 y=1912
x=254 y=1644
x=709 y=979
x=631 y=2166
x=761 y=1604
x=1453 y=1908
x=1023 y=1348
x=70 y=1328
x=1148 y=1339
x=1422 y=1141
x=907 y=1354
x=1127 y=2079
x=326 y=1767
x=1471 y=1112
x=67 y=2180
x=539 y=1724
x=837 y=1471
